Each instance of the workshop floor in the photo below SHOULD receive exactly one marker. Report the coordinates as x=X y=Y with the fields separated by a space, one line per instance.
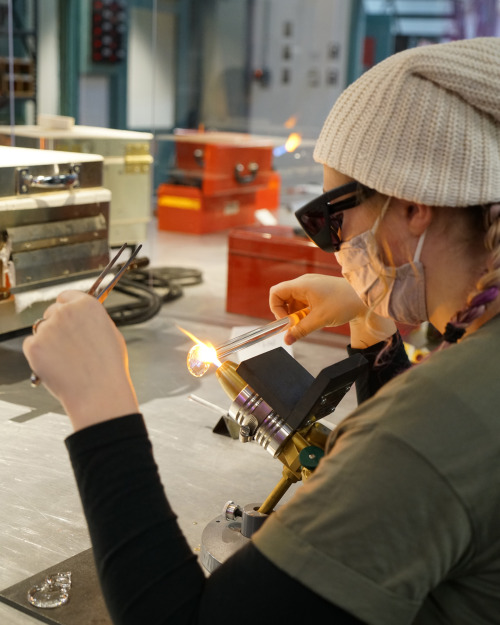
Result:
x=41 y=522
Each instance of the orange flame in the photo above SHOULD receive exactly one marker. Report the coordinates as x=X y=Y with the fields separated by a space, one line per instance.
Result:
x=191 y=336
x=293 y=142
x=291 y=122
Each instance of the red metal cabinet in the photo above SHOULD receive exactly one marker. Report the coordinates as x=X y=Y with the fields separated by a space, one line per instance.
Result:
x=260 y=257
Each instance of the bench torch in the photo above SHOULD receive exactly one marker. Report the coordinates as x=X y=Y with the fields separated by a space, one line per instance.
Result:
x=278 y=404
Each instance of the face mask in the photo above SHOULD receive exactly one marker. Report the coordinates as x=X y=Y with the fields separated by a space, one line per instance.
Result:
x=394 y=292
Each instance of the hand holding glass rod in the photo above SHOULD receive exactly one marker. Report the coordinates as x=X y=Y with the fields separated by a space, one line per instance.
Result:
x=260 y=334
x=99 y=295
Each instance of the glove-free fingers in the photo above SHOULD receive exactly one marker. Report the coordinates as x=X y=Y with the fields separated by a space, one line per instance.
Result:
x=278 y=301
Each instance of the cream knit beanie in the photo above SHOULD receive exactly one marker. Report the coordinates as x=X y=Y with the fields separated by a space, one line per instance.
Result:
x=423 y=125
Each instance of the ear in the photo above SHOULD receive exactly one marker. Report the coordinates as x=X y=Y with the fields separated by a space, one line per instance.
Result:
x=419 y=217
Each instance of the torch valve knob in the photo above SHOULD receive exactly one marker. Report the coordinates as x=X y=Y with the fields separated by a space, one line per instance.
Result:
x=231 y=511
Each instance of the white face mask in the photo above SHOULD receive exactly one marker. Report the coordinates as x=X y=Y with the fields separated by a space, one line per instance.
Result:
x=394 y=292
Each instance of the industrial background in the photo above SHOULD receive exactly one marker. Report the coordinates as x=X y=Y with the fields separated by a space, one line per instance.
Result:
x=186 y=127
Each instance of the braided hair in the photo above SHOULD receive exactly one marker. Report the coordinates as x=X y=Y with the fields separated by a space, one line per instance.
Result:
x=488 y=286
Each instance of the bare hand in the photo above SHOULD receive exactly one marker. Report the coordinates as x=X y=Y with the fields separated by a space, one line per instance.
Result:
x=81 y=358
x=333 y=302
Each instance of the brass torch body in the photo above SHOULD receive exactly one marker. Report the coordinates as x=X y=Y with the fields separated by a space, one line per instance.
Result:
x=233 y=384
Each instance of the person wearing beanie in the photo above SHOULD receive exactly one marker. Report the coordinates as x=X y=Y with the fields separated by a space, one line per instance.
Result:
x=398 y=525
x=411 y=157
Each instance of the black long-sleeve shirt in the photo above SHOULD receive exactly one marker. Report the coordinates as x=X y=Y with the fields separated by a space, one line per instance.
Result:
x=147 y=571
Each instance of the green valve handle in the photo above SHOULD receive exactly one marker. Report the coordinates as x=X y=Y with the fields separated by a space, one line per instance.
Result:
x=310 y=456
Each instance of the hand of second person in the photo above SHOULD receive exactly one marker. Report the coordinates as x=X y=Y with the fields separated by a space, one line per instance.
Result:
x=333 y=302
x=331 y=299
x=81 y=358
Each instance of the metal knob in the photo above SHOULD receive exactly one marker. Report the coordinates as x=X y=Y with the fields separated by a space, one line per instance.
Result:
x=241 y=177
x=245 y=434
x=231 y=511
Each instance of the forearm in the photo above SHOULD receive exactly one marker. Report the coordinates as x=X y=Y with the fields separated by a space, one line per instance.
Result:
x=138 y=547
x=147 y=571
x=367 y=329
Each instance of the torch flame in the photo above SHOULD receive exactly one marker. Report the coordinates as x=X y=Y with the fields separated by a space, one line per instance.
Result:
x=291 y=122
x=200 y=356
x=293 y=142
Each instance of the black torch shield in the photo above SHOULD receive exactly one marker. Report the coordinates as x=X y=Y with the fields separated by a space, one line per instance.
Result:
x=292 y=391
x=327 y=391
x=278 y=378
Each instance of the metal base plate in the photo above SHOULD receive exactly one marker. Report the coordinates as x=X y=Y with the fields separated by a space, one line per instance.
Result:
x=220 y=539
x=86 y=603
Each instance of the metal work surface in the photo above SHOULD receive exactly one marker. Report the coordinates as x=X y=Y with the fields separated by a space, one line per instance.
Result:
x=41 y=521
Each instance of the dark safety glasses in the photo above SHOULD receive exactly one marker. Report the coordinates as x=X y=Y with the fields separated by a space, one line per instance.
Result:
x=322 y=218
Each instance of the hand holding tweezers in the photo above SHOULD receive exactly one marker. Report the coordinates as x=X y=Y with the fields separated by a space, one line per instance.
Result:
x=101 y=294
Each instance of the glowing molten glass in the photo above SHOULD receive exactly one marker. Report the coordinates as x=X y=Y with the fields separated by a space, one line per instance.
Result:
x=200 y=356
x=199 y=359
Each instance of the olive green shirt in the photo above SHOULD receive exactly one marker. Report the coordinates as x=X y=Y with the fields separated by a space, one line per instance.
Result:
x=400 y=523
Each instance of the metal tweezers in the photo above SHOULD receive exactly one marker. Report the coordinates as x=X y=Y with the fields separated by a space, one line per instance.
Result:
x=102 y=294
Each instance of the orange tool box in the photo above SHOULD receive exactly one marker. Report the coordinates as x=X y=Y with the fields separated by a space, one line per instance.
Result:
x=219 y=168
x=219 y=181
x=186 y=209
x=260 y=257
